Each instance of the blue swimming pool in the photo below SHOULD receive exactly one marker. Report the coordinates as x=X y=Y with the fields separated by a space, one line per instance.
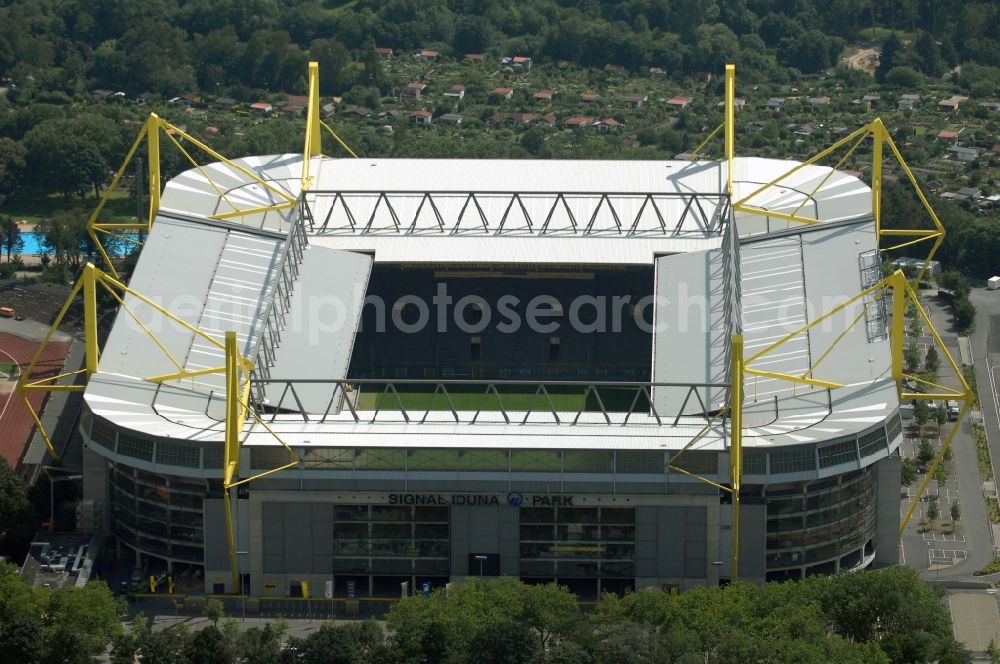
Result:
x=32 y=247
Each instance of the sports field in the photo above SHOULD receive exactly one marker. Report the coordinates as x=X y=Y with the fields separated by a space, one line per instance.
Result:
x=495 y=397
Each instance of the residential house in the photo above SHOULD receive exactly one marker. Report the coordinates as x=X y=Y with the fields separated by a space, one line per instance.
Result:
x=606 y=125
x=703 y=77
x=657 y=72
x=478 y=58
x=872 y=98
x=840 y=132
x=578 y=121
x=413 y=90
x=506 y=93
x=547 y=120
x=804 y=130
x=947 y=135
x=293 y=111
x=383 y=53
x=755 y=127
x=996 y=149
x=146 y=97
x=951 y=104
x=101 y=94
x=861 y=102
x=496 y=118
x=297 y=100
x=429 y=56
x=544 y=95
x=970 y=193
x=738 y=104
x=612 y=67
x=589 y=96
x=261 y=107
x=521 y=118
x=456 y=92
x=908 y=102
x=819 y=101
x=679 y=102
x=189 y=98
x=225 y=102
x=328 y=109
x=452 y=118
x=420 y=117
x=521 y=62
x=776 y=103
x=357 y=112
x=963 y=154
x=563 y=64
x=992 y=106
x=636 y=99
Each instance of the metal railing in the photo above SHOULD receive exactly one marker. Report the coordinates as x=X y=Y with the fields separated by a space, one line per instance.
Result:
x=471 y=401
x=268 y=326
x=533 y=211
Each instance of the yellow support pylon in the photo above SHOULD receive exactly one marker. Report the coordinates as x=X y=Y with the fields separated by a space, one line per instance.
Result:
x=736 y=444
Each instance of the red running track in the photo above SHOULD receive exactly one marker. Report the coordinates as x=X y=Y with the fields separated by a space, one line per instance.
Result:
x=16 y=423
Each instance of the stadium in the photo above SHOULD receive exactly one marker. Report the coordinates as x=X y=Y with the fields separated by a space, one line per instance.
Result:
x=614 y=375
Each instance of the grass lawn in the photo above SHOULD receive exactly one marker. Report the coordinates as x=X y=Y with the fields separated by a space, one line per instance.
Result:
x=9 y=369
x=35 y=206
x=571 y=398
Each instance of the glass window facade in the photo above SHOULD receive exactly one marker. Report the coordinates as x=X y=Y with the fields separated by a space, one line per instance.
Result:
x=391 y=540
x=157 y=514
x=874 y=442
x=577 y=542
x=176 y=454
x=820 y=521
x=135 y=446
x=793 y=461
x=834 y=455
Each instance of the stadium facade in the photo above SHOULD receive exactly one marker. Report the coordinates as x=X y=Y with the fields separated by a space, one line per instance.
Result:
x=480 y=368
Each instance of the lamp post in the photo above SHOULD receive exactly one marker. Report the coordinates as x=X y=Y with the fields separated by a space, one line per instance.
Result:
x=481 y=559
x=239 y=572
x=52 y=490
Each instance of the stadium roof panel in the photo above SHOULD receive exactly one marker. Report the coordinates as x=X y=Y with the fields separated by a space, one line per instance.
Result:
x=491 y=211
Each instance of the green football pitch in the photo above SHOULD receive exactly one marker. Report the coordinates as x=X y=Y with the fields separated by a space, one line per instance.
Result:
x=568 y=398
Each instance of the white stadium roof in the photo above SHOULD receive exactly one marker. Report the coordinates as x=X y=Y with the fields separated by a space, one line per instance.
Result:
x=667 y=214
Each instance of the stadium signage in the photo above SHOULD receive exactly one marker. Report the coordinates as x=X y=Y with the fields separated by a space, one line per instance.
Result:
x=513 y=499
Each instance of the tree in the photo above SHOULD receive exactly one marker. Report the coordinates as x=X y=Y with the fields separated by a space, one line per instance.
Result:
x=68 y=624
x=956 y=511
x=908 y=472
x=533 y=140
x=16 y=515
x=925 y=452
x=911 y=357
x=10 y=237
x=933 y=510
x=916 y=327
x=903 y=77
x=956 y=282
x=891 y=49
x=214 y=610
x=932 y=361
x=333 y=59
x=941 y=476
x=506 y=642
x=921 y=413
x=940 y=415
x=12 y=155
x=208 y=647
x=963 y=315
